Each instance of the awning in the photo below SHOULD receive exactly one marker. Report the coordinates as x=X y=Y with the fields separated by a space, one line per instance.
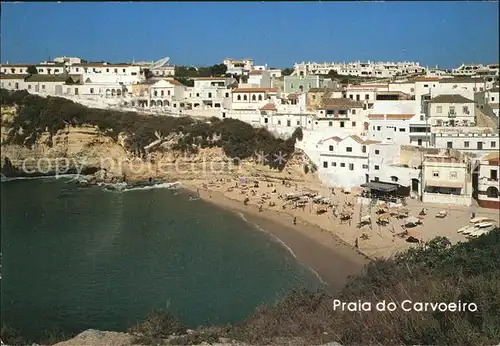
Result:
x=445 y=183
x=379 y=186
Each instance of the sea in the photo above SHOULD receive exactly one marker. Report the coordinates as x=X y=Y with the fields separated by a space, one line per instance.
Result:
x=77 y=258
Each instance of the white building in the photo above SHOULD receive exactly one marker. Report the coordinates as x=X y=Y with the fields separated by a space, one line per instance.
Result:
x=358 y=68
x=398 y=122
x=488 y=184
x=447 y=179
x=239 y=67
x=344 y=162
x=341 y=117
x=476 y=141
x=259 y=79
x=52 y=68
x=451 y=110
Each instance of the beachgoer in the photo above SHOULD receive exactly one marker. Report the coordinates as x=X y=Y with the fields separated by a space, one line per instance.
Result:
x=356 y=243
x=150 y=180
x=294 y=220
x=473 y=215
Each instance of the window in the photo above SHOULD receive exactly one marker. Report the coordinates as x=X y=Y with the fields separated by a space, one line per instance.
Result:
x=466 y=109
x=116 y=70
x=76 y=69
x=375 y=179
x=162 y=93
x=91 y=90
x=342 y=164
x=279 y=122
x=453 y=175
x=377 y=152
x=426 y=85
x=452 y=109
x=254 y=98
x=402 y=129
x=330 y=123
x=394 y=179
x=266 y=120
x=351 y=97
x=348 y=149
x=107 y=70
x=239 y=97
x=353 y=111
x=439 y=109
x=419 y=141
x=298 y=122
x=43 y=88
x=365 y=166
x=493 y=144
x=412 y=90
x=480 y=145
x=288 y=123
x=357 y=97
x=435 y=174
x=29 y=86
x=245 y=97
x=334 y=164
x=377 y=167
x=449 y=144
x=325 y=164
x=227 y=94
x=260 y=97
x=363 y=149
x=351 y=167
x=493 y=174
x=353 y=124
x=378 y=128
x=210 y=95
x=466 y=144
x=341 y=124
x=198 y=95
x=123 y=70
x=367 y=97
x=330 y=148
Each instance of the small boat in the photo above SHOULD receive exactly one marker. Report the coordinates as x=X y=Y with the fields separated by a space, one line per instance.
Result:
x=480 y=231
x=442 y=214
x=191 y=198
x=477 y=220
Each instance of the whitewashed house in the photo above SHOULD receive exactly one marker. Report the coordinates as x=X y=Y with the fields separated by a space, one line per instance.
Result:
x=488 y=181
x=344 y=162
x=259 y=79
x=447 y=179
x=13 y=81
x=452 y=110
x=398 y=122
x=238 y=67
x=341 y=117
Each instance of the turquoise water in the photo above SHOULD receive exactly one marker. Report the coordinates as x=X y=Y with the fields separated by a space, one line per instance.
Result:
x=77 y=258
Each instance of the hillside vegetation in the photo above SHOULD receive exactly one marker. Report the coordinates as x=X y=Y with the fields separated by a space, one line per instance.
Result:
x=36 y=115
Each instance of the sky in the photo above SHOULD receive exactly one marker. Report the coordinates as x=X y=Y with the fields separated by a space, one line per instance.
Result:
x=277 y=33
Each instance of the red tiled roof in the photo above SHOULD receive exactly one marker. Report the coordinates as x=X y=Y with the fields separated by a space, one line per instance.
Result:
x=269 y=107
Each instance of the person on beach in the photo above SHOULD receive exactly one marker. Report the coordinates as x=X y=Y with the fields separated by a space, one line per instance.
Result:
x=295 y=220
x=356 y=243
x=150 y=180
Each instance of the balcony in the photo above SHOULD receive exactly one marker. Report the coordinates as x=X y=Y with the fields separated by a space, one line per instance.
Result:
x=452 y=114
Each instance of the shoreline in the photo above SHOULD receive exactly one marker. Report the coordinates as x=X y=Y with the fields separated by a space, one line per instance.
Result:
x=322 y=252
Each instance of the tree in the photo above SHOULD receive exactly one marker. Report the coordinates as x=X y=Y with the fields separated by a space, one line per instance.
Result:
x=287 y=71
x=244 y=78
x=32 y=69
x=218 y=70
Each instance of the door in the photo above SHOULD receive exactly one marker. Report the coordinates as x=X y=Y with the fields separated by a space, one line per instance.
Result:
x=58 y=89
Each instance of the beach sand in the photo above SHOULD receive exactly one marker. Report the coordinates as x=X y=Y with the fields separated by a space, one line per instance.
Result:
x=319 y=240
x=329 y=257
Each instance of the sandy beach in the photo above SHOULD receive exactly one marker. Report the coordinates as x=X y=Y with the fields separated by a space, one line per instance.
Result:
x=330 y=258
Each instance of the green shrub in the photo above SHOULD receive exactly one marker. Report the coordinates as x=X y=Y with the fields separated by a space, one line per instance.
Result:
x=157 y=326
